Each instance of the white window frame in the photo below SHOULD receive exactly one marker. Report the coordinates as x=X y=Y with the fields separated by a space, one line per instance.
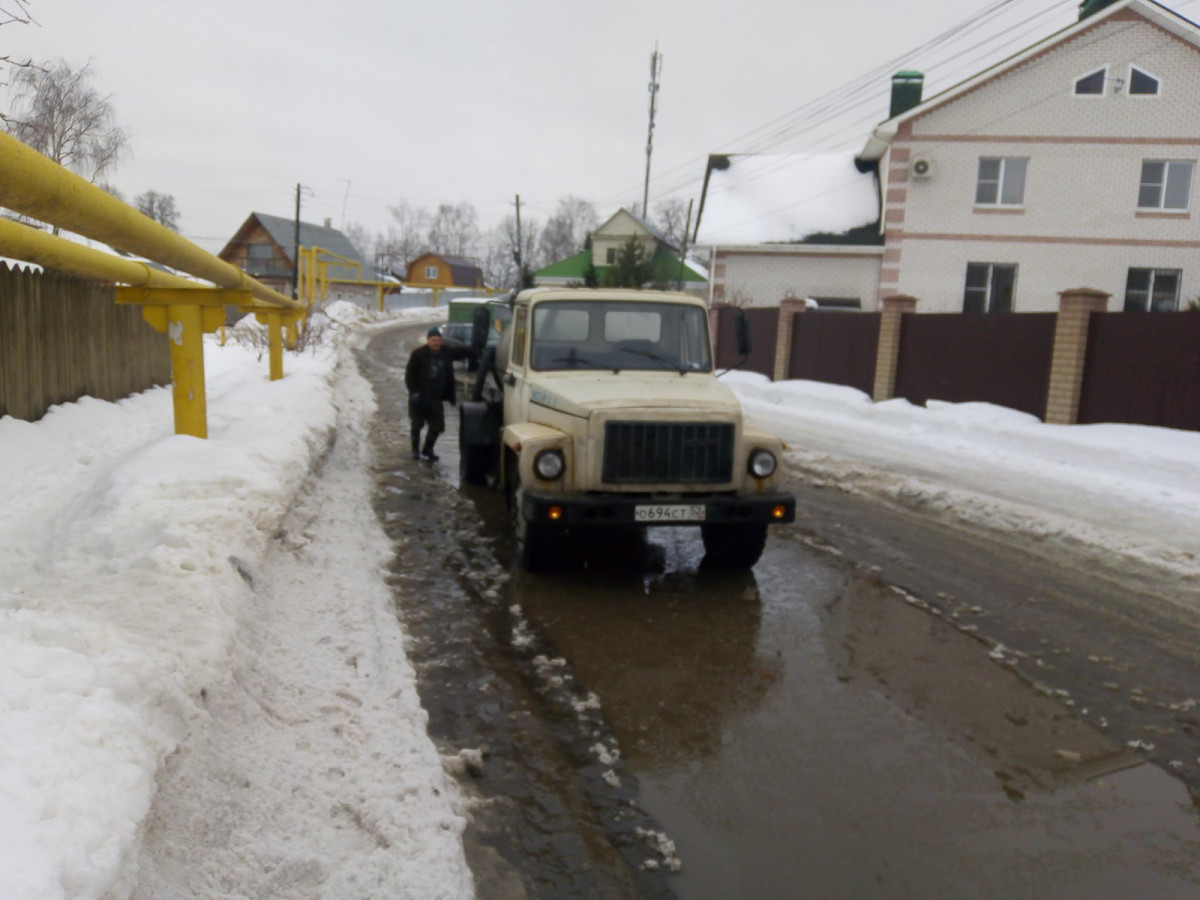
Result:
x=1103 y=86
x=1168 y=165
x=431 y=272
x=1005 y=165
x=1148 y=74
x=1148 y=305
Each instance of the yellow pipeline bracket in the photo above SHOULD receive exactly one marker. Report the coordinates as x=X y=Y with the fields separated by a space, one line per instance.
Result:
x=185 y=315
x=277 y=321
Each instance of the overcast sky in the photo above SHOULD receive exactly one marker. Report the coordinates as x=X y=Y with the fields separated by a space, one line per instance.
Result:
x=230 y=103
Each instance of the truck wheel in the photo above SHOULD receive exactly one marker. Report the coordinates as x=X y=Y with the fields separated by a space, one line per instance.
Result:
x=474 y=460
x=733 y=546
x=533 y=541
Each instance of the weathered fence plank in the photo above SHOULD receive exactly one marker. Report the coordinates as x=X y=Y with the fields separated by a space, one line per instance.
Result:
x=62 y=338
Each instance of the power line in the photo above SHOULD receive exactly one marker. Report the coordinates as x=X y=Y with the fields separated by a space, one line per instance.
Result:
x=868 y=86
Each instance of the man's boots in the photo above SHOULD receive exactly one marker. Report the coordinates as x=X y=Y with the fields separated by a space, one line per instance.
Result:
x=427 y=452
x=416 y=444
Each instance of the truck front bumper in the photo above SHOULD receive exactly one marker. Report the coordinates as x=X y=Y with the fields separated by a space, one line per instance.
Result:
x=615 y=510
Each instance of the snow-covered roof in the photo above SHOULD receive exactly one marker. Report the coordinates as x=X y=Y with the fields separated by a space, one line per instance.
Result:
x=760 y=199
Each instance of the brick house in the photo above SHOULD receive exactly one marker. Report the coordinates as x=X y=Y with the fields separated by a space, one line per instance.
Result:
x=1069 y=164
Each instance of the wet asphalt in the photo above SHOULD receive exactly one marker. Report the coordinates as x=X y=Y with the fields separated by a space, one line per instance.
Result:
x=881 y=708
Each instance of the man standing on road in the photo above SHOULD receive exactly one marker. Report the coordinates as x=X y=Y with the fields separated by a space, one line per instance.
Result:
x=429 y=377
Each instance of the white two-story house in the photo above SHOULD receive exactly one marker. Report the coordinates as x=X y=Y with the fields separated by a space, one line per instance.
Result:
x=1071 y=164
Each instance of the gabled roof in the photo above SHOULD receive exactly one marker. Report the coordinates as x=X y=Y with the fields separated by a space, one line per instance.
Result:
x=283 y=232
x=665 y=260
x=463 y=272
x=1165 y=18
x=653 y=231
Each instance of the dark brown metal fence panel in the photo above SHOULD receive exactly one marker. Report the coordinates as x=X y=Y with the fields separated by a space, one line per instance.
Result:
x=835 y=347
x=1143 y=369
x=1002 y=359
x=764 y=326
x=63 y=338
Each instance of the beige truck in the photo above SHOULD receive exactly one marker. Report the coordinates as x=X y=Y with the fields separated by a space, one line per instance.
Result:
x=601 y=409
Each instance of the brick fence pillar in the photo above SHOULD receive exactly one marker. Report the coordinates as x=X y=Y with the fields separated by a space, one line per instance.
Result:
x=788 y=307
x=1075 y=308
x=887 y=352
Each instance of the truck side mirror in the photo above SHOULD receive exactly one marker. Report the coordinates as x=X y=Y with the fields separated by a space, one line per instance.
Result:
x=741 y=328
x=480 y=326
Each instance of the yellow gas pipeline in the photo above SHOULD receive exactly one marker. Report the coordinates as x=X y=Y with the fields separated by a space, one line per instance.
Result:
x=35 y=186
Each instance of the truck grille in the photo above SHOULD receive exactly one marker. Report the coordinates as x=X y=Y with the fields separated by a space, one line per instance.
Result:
x=645 y=452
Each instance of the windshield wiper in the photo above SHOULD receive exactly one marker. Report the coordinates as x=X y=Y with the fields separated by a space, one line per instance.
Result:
x=667 y=362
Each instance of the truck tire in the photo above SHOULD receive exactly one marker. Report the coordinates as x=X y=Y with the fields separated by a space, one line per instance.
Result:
x=474 y=460
x=533 y=541
x=733 y=546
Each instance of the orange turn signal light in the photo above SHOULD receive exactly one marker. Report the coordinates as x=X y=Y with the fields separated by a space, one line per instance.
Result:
x=779 y=512
x=555 y=513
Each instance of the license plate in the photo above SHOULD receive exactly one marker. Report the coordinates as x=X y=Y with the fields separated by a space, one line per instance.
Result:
x=669 y=512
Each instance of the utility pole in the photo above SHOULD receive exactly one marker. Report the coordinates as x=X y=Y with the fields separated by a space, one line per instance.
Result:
x=655 y=70
x=296 y=250
x=518 y=255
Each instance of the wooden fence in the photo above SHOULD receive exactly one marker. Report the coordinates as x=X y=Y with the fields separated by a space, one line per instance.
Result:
x=62 y=338
x=1136 y=368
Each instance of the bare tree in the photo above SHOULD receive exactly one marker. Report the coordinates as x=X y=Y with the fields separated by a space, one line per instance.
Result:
x=160 y=207
x=57 y=113
x=405 y=240
x=14 y=12
x=567 y=230
x=670 y=217
x=500 y=251
x=454 y=230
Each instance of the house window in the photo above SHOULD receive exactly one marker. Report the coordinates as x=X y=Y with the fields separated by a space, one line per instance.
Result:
x=989 y=287
x=1142 y=84
x=1156 y=290
x=610 y=255
x=1091 y=84
x=1166 y=184
x=431 y=272
x=260 y=251
x=1001 y=181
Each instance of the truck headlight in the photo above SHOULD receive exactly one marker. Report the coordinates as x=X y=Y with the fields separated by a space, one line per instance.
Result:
x=549 y=464
x=762 y=463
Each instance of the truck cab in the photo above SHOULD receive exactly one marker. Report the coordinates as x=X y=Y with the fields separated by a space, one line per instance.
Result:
x=606 y=412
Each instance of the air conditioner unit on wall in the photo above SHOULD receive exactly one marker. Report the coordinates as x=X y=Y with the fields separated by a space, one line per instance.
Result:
x=921 y=167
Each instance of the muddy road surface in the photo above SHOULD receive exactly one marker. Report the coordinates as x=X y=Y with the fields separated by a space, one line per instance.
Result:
x=883 y=707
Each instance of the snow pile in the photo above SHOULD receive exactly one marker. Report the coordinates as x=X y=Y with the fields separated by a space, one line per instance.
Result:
x=128 y=554
x=1125 y=489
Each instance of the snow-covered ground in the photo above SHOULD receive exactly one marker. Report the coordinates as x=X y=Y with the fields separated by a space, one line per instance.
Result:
x=203 y=686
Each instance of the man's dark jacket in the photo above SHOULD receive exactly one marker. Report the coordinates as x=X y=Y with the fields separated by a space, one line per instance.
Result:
x=418 y=377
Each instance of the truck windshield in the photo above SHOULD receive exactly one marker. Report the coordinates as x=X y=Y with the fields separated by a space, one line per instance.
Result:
x=618 y=335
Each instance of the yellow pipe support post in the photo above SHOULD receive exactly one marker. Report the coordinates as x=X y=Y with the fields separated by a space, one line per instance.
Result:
x=185 y=315
x=274 y=340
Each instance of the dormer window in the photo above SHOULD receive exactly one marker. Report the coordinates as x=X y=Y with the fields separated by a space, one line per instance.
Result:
x=1142 y=84
x=1091 y=84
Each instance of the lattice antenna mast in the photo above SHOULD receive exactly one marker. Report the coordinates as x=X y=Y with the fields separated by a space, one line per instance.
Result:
x=655 y=71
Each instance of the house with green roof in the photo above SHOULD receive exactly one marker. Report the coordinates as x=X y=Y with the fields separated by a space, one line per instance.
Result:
x=606 y=242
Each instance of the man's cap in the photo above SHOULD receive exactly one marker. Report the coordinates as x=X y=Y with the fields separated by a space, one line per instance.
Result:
x=434 y=331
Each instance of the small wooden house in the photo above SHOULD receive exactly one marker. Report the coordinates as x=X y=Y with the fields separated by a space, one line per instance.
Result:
x=435 y=270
